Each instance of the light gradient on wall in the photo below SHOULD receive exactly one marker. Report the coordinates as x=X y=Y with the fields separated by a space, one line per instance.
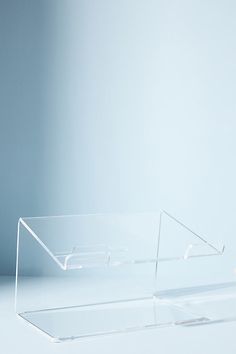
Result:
x=80 y=117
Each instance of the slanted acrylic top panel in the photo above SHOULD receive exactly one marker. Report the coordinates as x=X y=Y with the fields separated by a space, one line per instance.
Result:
x=82 y=241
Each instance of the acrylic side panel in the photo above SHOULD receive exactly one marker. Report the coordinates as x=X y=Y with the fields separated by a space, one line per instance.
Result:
x=186 y=258
x=195 y=272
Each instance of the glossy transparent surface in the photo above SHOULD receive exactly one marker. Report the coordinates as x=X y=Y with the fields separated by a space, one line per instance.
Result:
x=86 y=275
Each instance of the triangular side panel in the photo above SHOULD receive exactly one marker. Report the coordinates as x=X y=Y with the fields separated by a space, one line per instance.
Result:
x=184 y=257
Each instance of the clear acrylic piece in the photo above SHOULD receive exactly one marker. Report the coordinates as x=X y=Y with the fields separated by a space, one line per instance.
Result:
x=87 y=275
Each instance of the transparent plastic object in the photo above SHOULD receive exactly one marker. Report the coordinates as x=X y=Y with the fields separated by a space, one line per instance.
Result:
x=87 y=275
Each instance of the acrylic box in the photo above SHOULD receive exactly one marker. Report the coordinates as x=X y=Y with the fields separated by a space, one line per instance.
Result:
x=89 y=275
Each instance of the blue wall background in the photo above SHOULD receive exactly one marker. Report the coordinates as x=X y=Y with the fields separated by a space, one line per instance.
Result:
x=117 y=106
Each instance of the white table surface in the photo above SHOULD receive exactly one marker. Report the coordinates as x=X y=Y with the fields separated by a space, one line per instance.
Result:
x=17 y=337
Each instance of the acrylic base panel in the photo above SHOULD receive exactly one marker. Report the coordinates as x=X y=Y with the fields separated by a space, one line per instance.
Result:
x=89 y=275
x=97 y=319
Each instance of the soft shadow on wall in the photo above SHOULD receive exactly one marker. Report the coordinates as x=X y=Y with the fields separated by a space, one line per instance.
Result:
x=79 y=113
x=23 y=27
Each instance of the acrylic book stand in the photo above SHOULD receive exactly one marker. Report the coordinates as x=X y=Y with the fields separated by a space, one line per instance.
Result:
x=88 y=275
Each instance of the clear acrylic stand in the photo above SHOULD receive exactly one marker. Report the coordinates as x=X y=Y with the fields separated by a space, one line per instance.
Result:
x=87 y=275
